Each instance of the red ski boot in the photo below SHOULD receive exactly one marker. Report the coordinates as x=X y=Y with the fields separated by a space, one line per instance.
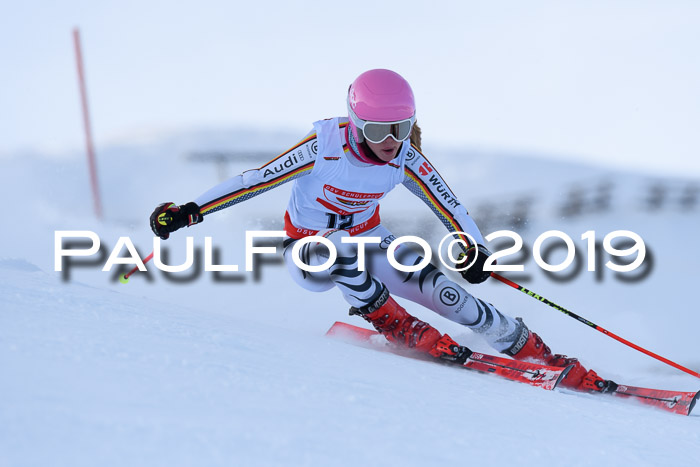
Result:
x=533 y=349
x=398 y=326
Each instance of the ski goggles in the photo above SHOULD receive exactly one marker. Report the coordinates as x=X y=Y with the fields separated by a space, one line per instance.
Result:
x=376 y=132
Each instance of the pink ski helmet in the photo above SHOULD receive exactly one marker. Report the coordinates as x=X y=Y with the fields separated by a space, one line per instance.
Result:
x=380 y=96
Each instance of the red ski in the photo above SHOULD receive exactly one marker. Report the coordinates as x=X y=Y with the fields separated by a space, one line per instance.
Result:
x=546 y=377
x=670 y=401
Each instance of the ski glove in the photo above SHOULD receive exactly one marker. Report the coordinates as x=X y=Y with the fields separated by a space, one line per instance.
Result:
x=168 y=217
x=475 y=274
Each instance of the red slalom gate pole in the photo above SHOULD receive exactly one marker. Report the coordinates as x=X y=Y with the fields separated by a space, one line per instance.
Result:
x=125 y=278
x=593 y=325
x=86 y=123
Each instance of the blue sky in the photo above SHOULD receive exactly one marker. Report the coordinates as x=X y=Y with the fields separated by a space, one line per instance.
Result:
x=609 y=82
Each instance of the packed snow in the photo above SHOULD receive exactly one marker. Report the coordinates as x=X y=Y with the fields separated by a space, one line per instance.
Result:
x=234 y=368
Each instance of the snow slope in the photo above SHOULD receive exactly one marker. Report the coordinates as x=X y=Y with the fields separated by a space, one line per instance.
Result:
x=239 y=372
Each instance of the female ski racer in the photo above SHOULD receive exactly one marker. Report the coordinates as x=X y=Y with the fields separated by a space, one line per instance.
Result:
x=340 y=171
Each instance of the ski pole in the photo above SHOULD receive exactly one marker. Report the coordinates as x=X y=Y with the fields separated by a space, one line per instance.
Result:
x=593 y=325
x=125 y=278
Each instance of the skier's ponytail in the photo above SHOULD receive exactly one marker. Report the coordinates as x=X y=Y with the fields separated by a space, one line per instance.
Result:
x=416 y=136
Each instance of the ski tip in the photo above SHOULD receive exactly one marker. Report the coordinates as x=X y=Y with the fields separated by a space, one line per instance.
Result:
x=337 y=328
x=350 y=332
x=692 y=402
x=563 y=374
